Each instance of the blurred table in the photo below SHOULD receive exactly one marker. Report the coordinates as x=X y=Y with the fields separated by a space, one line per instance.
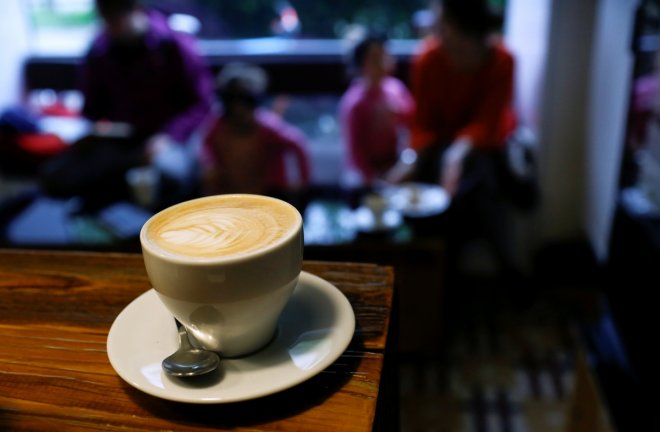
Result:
x=57 y=308
x=333 y=232
x=393 y=213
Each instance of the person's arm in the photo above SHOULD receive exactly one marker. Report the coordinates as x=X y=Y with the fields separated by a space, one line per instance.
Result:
x=195 y=92
x=641 y=109
x=291 y=141
x=355 y=133
x=208 y=161
x=452 y=163
x=405 y=105
x=297 y=145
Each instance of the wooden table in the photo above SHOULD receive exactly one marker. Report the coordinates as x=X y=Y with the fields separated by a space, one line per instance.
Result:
x=56 y=309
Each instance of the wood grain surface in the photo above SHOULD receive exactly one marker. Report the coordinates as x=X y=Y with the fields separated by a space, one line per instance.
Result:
x=56 y=309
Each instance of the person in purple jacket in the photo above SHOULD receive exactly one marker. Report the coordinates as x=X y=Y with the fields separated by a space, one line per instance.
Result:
x=150 y=80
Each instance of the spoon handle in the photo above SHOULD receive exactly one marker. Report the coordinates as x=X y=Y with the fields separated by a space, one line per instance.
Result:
x=184 y=342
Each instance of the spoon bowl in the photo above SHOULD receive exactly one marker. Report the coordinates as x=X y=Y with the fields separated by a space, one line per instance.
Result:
x=188 y=361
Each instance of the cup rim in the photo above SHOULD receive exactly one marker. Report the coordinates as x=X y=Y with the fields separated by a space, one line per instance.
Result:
x=148 y=246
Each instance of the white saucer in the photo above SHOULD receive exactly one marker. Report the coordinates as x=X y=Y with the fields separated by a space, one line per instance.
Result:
x=314 y=329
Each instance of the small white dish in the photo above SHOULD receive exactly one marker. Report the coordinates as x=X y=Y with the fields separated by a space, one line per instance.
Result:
x=418 y=200
x=314 y=329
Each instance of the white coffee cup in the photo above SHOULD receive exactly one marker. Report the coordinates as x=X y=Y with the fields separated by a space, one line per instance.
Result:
x=225 y=266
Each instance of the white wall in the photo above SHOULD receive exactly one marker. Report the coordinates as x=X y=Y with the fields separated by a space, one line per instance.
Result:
x=611 y=74
x=526 y=35
x=573 y=79
x=563 y=126
x=13 y=47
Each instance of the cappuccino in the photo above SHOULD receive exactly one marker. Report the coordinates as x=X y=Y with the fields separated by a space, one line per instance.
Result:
x=225 y=267
x=221 y=226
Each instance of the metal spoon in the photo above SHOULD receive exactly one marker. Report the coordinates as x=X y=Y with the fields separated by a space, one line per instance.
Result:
x=188 y=361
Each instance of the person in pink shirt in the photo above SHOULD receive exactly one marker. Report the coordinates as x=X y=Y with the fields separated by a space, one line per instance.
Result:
x=373 y=112
x=248 y=147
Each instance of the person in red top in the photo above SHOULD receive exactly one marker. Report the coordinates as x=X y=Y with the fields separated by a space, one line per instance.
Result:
x=462 y=83
x=248 y=147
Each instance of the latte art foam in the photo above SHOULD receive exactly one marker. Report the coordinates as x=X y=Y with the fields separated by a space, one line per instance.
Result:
x=220 y=227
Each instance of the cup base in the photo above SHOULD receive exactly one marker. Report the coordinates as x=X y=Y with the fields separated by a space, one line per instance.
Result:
x=195 y=343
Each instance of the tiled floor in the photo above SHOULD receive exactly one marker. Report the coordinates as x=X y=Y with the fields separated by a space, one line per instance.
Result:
x=505 y=369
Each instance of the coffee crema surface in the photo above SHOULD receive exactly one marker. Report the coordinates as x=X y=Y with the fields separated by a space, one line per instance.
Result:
x=222 y=226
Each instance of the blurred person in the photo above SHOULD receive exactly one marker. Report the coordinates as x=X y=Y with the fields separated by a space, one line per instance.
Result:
x=462 y=82
x=150 y=92
x=373 y=112
x=643 y=136
x=249 y=148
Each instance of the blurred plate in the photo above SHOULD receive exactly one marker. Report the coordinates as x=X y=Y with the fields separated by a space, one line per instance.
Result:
x=417 y=200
